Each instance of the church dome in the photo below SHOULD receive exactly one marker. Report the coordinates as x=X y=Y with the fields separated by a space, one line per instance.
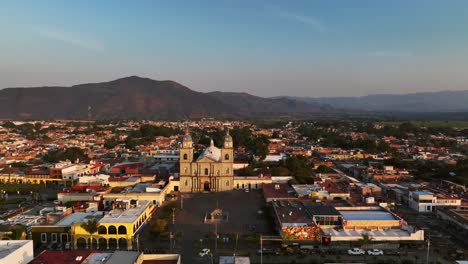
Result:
x=187 y=137
x=227 y=137
x=213 y=153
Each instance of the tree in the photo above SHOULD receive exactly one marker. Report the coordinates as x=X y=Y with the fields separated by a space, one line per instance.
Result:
x=365 y=240
x=159 y=226
x=275 y=134
x=110 y=143
x=322 y=169
x=130 y=143
x=90 y=226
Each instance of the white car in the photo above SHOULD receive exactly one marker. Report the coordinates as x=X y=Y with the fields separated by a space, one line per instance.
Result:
x=375 y=252
x=204 y=252
x=247 y=190
x=356 y=251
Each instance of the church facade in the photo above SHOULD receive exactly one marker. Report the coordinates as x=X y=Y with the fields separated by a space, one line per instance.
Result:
x=212 y=171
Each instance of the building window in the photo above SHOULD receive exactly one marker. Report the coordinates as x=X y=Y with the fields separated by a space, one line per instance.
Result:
x=206 y=171
x=112 y=230
x=102 y=230
x=122 y=230
x=54 y=237
x=43 y=238
x=227 y=170
x=64 y=237
x=227 y=183
x=185 y=156
x=226 y=157
x=185 y=170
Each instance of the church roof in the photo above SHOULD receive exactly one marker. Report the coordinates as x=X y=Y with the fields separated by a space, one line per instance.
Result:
x=213 y=153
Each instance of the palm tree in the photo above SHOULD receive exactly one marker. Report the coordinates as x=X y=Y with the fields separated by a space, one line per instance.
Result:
x=90 y=226
x=365 y=240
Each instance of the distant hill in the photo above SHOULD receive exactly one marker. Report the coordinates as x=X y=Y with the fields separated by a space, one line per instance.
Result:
x=445 y=101
x=140 y=98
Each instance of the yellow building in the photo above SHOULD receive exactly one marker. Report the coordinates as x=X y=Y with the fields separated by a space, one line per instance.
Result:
x=117 y=229
x=211 y=171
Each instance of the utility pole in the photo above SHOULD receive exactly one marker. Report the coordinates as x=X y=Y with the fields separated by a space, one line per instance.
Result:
x=261 y=249
x=235 y=248
x=216 y=235
x=428 y=246
x=173 y=216
x=181 y=201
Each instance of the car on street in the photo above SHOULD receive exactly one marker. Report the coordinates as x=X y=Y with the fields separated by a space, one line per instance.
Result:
x=247 y=190
x=375 y=252
x=356 y=251
x=204 y=252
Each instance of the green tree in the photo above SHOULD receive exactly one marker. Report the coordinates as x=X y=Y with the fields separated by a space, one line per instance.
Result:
x=110 y=143
x=130 y=143
x=90 y=226
x=322 y=169
x=365 y=240
x=159 y=226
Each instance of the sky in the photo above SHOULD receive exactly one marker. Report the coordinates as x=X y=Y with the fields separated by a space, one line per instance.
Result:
x=310 y=48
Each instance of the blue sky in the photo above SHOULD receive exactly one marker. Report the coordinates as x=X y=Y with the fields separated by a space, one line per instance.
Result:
x=267 y=48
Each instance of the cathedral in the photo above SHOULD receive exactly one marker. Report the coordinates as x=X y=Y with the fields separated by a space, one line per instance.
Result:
x=212 y=171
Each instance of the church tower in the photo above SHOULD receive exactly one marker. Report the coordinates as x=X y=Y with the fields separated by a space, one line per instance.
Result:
x=227 y=155
x=186 y=155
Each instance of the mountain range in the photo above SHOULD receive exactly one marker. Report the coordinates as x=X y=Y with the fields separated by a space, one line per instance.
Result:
x=142 y=98
x=444 y=101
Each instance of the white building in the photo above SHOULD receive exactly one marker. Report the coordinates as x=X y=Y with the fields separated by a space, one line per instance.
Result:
x=425 y=201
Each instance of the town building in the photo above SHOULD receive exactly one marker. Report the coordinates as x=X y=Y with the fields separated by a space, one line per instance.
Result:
x=425 y=201
x=16 y=251
x=117 y=228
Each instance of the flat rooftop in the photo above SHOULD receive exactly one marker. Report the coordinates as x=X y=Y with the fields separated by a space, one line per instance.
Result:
x=9 y=246
x=367 y=215
x=78 y=217
x=125 y=216
x=374 y=233
x=291 y=212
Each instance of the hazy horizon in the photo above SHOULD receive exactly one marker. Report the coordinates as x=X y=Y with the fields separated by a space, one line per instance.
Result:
x=265 y=48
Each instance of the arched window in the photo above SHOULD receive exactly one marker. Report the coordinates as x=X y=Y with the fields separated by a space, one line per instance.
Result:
x=226 y=157
x=186 y=183
x=185 y=156
x=206 y=171
x=102 y=230
x=185 y=170
x=227 y=183
x=112 y=230
x=122 y=230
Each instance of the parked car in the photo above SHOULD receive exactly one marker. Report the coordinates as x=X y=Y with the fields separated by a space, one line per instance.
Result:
x=356 y=251
x=204 y=252
x=375 y=252
x=247 y=190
